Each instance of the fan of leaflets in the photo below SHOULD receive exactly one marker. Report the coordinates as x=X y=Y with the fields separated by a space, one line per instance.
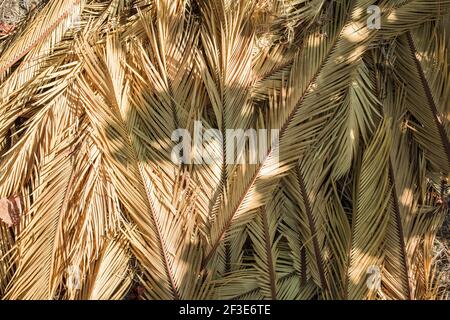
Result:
x=94 y=207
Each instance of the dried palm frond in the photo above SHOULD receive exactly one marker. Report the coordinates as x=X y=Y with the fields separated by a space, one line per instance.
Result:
x=346 y=204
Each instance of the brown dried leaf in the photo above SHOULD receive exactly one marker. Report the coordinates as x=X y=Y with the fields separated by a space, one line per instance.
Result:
x=5 y=28
x=10 y=211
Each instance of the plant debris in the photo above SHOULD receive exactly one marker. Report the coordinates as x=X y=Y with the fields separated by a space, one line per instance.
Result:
x=10 y=209
x=12 y=12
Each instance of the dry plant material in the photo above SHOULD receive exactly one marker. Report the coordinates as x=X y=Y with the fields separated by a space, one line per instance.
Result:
x=10 y=210
x=5 y=28
x=101 y=87
x=13 y=12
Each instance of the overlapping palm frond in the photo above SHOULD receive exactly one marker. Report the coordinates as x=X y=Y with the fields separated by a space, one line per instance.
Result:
x=353 y=190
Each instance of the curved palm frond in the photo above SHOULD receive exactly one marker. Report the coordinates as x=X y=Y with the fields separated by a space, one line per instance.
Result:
x=92 y=94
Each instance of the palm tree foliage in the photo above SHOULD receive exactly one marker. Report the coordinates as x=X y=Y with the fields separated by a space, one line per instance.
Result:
x=91 y=91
